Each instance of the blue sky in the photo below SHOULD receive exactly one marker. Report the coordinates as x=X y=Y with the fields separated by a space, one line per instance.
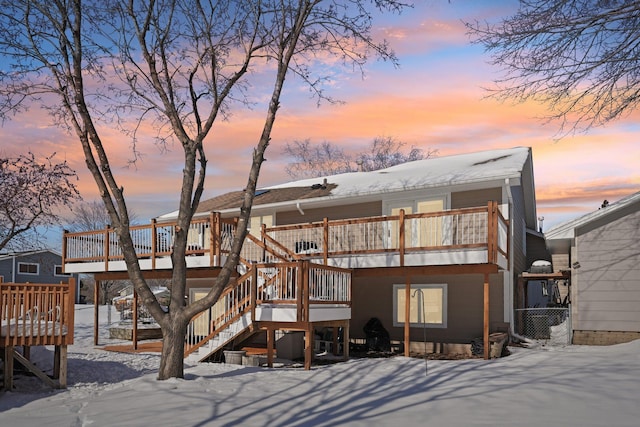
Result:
x=433 y=100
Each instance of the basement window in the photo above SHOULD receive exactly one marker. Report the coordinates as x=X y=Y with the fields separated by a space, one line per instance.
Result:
x=427 y=305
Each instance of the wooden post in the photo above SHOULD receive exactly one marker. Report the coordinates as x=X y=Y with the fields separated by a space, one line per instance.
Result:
x=492 y=232
x=106 y=249
x=299 y=290
x=8 y=368
x=308 y=346
x=62 y=366
x=253 y=293
x=487 y=344
x=407 y=315
x=263 y=239
x=96 y=309
x=325 y=240
x=214 y=245
x=134 y=332
x=271 y=339
x=154 y=243
x=345 y=340
x=64 y=249
x=305 y=291
x=69 y=321
x=401 y=238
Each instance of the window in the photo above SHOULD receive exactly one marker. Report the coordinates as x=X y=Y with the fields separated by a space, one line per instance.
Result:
x=256 y=222
x=58 y=271
x=28 y=268
x=427 y=305
x=419 y=232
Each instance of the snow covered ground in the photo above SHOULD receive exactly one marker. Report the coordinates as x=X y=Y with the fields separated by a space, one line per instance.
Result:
x=571 y=386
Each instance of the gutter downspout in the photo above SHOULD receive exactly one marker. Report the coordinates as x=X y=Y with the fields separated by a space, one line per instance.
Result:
x=13 y=269
x=299 y=208
x=511 y=263
x=527 y=341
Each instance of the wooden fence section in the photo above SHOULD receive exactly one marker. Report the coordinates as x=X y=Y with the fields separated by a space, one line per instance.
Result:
x=469 y=228
x=34 y=314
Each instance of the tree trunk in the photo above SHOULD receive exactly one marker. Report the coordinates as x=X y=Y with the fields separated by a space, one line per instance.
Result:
x=172 y=361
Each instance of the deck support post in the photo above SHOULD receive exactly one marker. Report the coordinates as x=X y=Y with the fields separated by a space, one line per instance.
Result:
x=345 y=341
x=271 y=339
x=134 y=332
x=8 y=368
x=308 y=346
x=60 y=365
x=485 y=338
x=407 y=316
x=96 y=309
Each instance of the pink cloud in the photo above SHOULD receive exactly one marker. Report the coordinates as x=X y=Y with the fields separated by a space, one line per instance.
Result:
x=434 y=100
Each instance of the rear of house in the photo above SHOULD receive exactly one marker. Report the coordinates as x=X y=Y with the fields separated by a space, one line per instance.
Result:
x=438 y=242
x=602 y=249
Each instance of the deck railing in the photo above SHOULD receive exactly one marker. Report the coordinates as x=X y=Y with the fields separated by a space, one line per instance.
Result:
x=469 y=228
x=35 y=314
x=300 y=284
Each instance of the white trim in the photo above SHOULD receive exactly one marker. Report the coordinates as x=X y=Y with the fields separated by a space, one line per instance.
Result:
x=415 y=286
x=29 y=263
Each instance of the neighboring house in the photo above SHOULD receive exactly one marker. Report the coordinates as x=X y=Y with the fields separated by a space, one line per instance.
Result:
x=602 y=250
x=452 y=230
x=38 y=266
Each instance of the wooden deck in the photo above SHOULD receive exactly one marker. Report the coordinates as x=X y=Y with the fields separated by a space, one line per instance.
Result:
x=461 y=236
x=34 y=314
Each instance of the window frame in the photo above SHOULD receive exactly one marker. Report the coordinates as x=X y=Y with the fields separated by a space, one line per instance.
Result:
x=60 y=274
x=415 y=286
x=20 y=264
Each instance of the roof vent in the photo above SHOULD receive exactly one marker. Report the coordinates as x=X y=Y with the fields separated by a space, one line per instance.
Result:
x=318 y=186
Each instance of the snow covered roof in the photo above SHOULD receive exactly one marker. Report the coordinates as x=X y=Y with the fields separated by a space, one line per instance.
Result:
x=432 y=172
x=435 y=172
x=566 y=230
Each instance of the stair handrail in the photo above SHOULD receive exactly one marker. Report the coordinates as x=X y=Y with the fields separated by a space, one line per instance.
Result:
x=217 y=323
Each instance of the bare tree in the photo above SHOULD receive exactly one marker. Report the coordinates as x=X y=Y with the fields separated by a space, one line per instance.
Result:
x=92 y=215
x=579 y=57
x=179 y=65
x=33 y=194
x=89 y=216
x=313 y=160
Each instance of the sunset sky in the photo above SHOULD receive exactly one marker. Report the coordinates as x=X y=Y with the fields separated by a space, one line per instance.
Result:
x=434 y=100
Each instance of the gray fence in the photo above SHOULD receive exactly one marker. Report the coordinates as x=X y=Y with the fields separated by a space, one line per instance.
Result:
x=550 y=325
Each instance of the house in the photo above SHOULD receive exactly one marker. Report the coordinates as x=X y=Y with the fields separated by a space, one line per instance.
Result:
x=37 y=266
x=602 y=251
x=432 y=246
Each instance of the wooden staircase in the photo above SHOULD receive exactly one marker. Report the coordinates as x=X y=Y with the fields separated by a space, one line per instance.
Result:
x=259 y=297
